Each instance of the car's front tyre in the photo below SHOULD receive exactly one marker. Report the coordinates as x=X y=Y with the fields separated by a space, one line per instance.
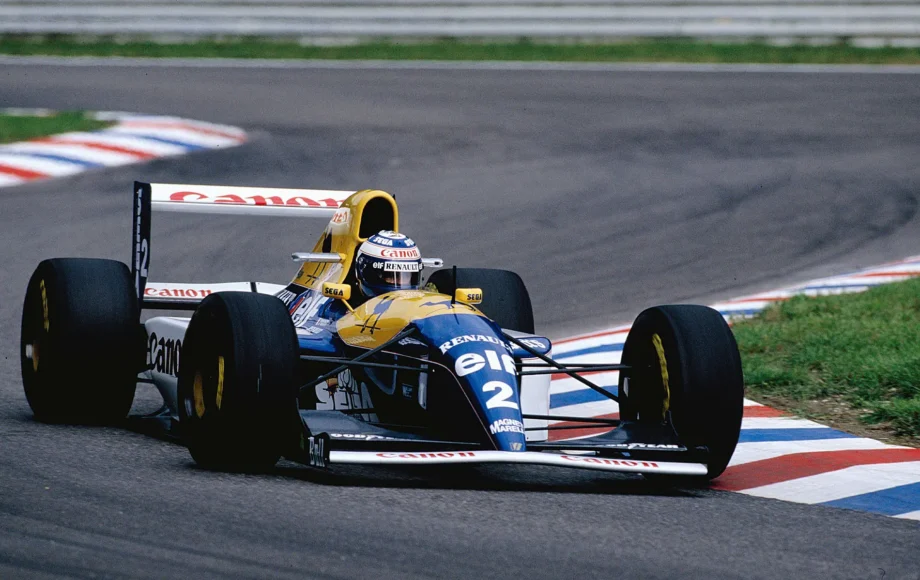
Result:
x=237 y=400
x=686 y=371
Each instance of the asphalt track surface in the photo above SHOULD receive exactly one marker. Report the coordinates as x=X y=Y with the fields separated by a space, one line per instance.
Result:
x=607 y=191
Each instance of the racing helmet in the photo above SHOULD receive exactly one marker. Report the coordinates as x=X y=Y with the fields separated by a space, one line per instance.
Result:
x=388 y=261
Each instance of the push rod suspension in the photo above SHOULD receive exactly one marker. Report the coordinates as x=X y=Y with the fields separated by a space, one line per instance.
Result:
x=563 y=369
x=551 y=371
x=575 y=419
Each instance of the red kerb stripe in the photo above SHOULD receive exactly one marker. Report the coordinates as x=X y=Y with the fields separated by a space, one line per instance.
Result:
x=21 y=173
x=758 y=412
x=796 y=465
x=907 y=273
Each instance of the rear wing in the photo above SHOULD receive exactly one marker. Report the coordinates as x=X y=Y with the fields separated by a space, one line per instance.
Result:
x=220 y=200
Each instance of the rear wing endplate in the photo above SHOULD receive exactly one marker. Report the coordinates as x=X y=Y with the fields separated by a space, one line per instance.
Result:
x=220 y=200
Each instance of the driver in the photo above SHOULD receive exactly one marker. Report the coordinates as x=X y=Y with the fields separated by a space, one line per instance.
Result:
x=387 y=261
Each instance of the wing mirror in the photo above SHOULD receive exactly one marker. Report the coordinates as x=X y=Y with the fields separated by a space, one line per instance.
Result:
x=323 y=257
x=468 y=295
x=338 y=291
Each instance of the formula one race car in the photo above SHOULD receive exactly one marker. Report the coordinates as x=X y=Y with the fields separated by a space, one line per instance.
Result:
x=447 y=373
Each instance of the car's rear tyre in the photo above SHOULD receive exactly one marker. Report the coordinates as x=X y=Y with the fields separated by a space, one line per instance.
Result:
x=505 y=298
x=237 y=403
x=701 y=393
x=80 y=344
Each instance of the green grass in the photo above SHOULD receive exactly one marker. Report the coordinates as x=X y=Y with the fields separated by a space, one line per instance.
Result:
x=22 y=127
x=862 y=349
x=640 y=50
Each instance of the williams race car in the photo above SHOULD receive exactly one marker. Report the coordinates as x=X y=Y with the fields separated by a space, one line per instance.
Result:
x=355 y=361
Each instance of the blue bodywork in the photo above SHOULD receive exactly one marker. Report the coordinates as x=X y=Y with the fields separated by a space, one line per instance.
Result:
x=484 y=366
x=472 y=347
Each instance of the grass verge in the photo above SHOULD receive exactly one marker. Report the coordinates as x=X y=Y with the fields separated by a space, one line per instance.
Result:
x=22 y=127
x=637 y=51
x=851 y=360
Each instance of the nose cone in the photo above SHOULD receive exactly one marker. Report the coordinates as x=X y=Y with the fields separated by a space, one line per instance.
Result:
x=474 y=349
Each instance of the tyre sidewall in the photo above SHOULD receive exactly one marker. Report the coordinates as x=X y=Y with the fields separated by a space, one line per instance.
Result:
x=90 y=353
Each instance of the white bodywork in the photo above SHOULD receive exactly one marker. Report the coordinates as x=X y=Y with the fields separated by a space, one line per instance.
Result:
x=263 y=201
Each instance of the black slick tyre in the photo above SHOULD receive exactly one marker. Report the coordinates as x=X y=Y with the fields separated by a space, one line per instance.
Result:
x=80 y=343
x=505 y=298
x=237 y=403
x=686 y=370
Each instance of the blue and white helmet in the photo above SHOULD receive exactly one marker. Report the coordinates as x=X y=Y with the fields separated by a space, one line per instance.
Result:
x=388 y=261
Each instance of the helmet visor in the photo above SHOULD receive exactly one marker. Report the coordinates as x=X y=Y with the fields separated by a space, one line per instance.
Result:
x=400 y=279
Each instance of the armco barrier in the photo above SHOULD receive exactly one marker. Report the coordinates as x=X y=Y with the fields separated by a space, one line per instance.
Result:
x=877 y=19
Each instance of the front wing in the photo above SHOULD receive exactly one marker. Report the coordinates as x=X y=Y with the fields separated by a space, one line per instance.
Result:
x=321 y=456
x=523 y=457
x=332 y=437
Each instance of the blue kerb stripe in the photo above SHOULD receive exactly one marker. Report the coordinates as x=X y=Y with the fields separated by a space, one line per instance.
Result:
x=585 y=395
x=590 y=350
x=53 y=157
x=890 y=502
x=804 y=434
x=835 y=287
x=745 y=312
x=189 y=146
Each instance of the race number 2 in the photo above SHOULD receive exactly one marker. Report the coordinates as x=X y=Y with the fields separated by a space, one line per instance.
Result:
x=499 y=399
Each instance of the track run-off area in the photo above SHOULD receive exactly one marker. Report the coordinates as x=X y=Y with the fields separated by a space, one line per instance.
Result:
x=607 y=189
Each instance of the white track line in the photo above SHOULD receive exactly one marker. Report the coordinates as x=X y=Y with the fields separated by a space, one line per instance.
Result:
x=307 y=64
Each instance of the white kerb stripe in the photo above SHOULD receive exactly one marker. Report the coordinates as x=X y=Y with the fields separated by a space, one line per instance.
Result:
x=910 y=515
x=834 y=485
x=611 y=339
x=779 y=423
x=10 y=179
x=569 y=384
x=595 y=358
x=187 y=124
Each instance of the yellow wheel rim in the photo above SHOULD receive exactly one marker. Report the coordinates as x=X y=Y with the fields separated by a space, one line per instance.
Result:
x=198 y=394
x=46 y=320
x=220 y=381
x=663 y=363
x=35 y=356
